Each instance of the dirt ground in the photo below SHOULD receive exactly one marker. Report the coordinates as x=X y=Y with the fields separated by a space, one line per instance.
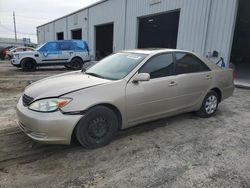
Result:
x=182 y=151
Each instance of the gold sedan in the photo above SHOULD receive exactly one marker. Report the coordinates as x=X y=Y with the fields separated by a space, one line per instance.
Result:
x=122 y=90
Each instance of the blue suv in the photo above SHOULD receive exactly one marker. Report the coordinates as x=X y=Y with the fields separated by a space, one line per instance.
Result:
x=69 y=53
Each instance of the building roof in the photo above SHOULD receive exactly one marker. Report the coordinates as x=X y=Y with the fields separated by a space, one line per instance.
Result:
x=85 y=8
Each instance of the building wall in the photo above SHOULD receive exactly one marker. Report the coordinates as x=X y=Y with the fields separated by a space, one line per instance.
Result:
x=205 y=25
x=40 y=35
x=220 y=30
x=49 y=32
x=78 y=21
x=112 y=11
x=60 y=26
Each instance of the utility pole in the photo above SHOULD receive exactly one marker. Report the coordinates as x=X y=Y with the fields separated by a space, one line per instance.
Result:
x=14 y=19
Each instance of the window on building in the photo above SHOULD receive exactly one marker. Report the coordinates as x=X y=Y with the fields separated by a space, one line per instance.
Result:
x=187 y=63
x=159 y=66
x=60 y=36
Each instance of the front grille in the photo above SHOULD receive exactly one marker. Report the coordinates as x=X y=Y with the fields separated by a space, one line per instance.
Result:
x=27 y=100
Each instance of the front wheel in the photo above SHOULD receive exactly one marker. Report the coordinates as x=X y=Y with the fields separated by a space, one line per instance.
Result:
x=209 y=105
x=97 y=128
x=28 y=65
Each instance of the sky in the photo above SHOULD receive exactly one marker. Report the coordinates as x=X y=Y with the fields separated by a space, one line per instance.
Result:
x=32 y=13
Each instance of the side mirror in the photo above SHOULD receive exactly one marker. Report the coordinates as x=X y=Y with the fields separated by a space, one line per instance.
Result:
x=141 y=77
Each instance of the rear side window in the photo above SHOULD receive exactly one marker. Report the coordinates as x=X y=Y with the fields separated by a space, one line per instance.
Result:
x=79 y=45
x=187 y=63
x=159 y=66
x=65 y=46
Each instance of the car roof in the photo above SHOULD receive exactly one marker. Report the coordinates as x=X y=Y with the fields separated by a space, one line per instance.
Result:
x=150 y=51
x=66 y=40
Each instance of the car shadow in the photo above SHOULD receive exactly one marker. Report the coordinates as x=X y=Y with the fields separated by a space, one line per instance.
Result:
x=20 y=149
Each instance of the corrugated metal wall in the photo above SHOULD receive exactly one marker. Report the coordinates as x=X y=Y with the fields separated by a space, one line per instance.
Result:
x=205 y=25
x=61 y=26
x=78 y=21
x=112 y=11
x=40 y=35
x=221 y=27
x=49 y=31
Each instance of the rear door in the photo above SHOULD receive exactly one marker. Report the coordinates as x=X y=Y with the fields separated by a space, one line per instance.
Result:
x=193 y=79
x=154 y=98
x=66 y=51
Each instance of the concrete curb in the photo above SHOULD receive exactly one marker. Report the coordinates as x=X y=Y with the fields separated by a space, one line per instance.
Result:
x=242 y=85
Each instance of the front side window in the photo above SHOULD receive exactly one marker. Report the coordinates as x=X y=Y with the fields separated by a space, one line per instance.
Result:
x=159 y=66
x=51 y=46
x=187 y=63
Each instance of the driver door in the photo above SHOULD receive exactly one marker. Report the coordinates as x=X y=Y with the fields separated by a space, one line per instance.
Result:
x=49 y=53
x=154 y=98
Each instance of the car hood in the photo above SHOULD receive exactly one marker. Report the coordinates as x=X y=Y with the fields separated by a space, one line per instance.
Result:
x=25 y=53
x=62 y=84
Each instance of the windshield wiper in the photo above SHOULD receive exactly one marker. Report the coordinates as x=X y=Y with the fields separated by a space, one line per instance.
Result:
x=94 y=74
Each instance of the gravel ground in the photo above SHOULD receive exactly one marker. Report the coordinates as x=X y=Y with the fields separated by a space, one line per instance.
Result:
x=182 y=151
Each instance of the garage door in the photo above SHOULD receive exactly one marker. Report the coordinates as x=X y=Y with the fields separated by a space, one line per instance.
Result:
x=159 y=31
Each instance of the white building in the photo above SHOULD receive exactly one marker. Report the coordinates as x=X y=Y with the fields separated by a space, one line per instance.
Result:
x=203 y=26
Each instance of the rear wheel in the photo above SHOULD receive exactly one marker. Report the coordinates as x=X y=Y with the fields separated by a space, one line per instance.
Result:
x=209 y=105
x=97 y=128
x=76 y=64
x=28 y=65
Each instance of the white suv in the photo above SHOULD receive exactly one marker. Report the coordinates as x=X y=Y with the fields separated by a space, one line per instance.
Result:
x=69 y=53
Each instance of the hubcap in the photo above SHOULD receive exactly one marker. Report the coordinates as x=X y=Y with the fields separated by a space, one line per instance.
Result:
x=98 y=128
x=211 y=104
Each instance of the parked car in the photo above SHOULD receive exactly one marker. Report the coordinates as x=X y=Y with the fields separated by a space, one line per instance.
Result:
x=5 y=50
x=10 y=52
x=69 y=53
x=122 y=90
x=1 y=53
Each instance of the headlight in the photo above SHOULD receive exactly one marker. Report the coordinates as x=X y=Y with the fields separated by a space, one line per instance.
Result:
x=49 y=105
x=16 y=56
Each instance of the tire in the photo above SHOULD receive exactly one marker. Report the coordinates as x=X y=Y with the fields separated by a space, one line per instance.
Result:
x=28 y=65
x=97 y=128
x=76 y=64
x=209 y=105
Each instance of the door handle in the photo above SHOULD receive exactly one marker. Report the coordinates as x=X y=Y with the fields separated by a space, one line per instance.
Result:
x=172 y=84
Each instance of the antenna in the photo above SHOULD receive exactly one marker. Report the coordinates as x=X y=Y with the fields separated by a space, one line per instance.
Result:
x=14 y=19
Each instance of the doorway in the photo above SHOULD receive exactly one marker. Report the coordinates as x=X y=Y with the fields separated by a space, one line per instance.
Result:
x=159 y=31
x=104 y=40
x=240 y=55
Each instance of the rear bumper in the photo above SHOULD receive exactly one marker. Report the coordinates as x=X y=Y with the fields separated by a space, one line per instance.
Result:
x=49 y=128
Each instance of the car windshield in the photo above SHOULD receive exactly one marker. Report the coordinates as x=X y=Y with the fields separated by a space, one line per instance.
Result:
x=39 y=47
x=116 y=66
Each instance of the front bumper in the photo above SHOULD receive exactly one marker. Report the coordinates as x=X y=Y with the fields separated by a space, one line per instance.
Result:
x=14 y=63
x=50 y=128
